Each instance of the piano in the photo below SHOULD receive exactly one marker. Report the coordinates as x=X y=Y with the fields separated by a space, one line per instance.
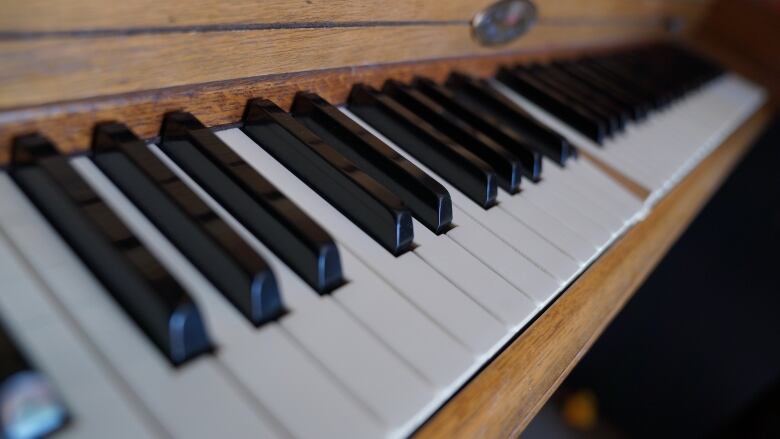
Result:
x=343 y=219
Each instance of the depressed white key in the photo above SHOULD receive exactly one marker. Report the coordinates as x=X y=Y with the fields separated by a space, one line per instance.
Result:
x=427 y=348
x=532 y=277
x=98 y=404
x=543 y=197
x=578 y=194
x=550 y=228
x=630 y=204
x=513 y=307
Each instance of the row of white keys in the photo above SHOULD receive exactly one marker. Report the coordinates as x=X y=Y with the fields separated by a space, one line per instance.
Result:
x=459 y=314
x=576 y=217
x=626 y=165
x=604 y=195
x=247 y=351
x=568 y=186
x=685 y=133
x=96 y=401
x=585 y=197
x=536 y=237
x=660 y=150
x=195 y=400
x=512 y=306
x=390 y=389
x=630 y=205
x=550 y=228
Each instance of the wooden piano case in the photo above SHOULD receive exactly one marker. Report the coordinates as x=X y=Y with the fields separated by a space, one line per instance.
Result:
x=68 y=65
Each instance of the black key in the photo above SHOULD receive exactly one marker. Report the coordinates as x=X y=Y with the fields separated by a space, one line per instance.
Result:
x=586 y=107
x=31 y=406
x=208 y=242
x=132 y=275
x=273 y=218
x=464 y=170
x=483 y=98
x=585 y=93
x=555 y=103
x=428 y=200
x=356 y=194
x=626 y=83
x=530 y=158
x=583 y=96
x=608 y=89
x=506 y=165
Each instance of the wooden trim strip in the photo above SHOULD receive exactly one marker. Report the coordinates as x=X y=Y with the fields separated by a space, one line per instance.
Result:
x=228 y=27
x=635 y=188
x=501 y=400
x=21 y=16
x=69 y=124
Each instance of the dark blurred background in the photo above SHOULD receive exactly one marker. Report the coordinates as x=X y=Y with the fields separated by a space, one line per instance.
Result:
x=696 y=352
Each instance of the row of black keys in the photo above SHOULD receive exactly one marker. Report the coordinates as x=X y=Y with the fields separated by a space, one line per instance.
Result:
x=598 y=96
x=364 y=178
x=467 y=132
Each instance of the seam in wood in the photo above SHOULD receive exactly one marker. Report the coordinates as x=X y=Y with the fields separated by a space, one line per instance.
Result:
x=229 y=27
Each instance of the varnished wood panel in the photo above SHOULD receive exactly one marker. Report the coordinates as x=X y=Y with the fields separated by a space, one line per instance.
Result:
x=49 y=70
x=26 y=16
x=504 y=397
x=69 y=124
x=747 y=35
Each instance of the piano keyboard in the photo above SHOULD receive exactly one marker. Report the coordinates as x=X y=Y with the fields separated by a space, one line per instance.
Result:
x=333 y=271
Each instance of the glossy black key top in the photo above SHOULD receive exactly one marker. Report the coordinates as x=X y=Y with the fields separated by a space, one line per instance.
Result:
x=585 y=108
x=242 y=276
x=428 y=200
x=606 y=88
x=31 y=406
x=132 y=275
x=356 y=194
x=593 y=103
x=591 y=92
x=467 y=172
x=273 y=218
x=483 y=97
x=506 y=165
x=529 y=157
x=555 y=103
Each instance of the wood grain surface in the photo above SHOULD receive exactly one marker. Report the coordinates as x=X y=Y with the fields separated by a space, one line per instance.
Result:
x=502 y=399
x=24 y=18
x=69 y=124
x=58 y=69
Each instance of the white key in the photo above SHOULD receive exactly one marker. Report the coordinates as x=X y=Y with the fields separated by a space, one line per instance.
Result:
x=546 y=199
x=462 y=317
x=97 y=402
x=598 y=181
x=510 y=262
x=548 y=254
x=511 y=306
x=240 y=346
x=658 y=152
x=390 y=388
x=194 y=400
x=575 y=191
x=436 y=355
